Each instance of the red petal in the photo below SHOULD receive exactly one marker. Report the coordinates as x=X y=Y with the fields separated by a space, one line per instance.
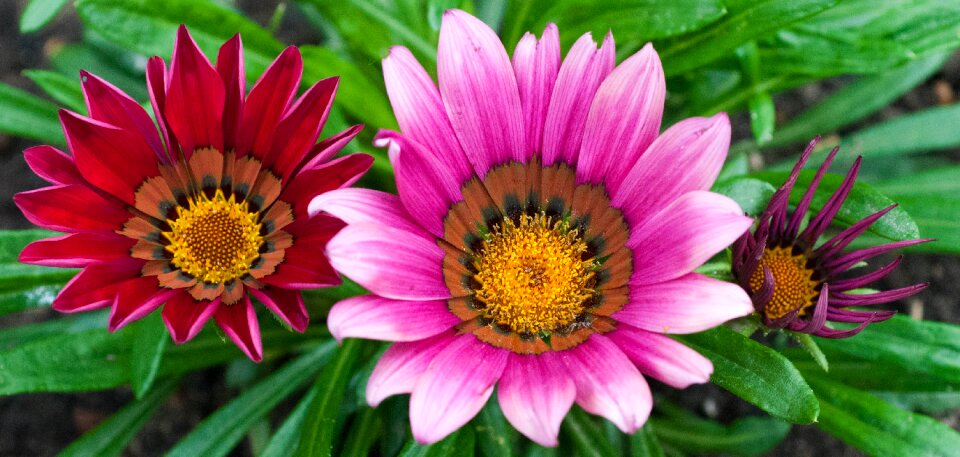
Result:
x=268 y=100
x=157 y=87
x=95 y=286
x=107 y=103
x=135 y=299
x=53 y=165
x=304 y=264
x=311 y=182
x=77 y=250
x=100 y=149
x=195 y=97
x=230 y=67
x=72 y=208
x=286 y=304
x=300 y=127
x=239 y=322
x=326 y=149
x=185 y=316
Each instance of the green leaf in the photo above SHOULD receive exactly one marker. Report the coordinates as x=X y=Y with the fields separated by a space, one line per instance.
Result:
x=932 y=200
x=363 y=434
x=748 y=436
x=587 y=436
x=317 y=436
x=460 y=443
x=111 y=437
x=494 y=434
x=756 y=21
x=862 y=201
x=756 y=374
x=878 y=428
x=808 y=344
x=856 y=101
x=911 y=133
x=928 y=402
x=644 y=442
x=149 y=337
x=23 y=114
x=38 y=13
x=926 y=347
x=751 y=194
x=285 y=440
x=23 y=334
x=64 y=89
x=219 y=433
x=357 y=94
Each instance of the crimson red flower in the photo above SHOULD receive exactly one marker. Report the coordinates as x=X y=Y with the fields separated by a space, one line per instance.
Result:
x=203 y=214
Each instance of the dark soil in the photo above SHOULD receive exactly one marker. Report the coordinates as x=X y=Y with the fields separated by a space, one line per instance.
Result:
x=44 y=424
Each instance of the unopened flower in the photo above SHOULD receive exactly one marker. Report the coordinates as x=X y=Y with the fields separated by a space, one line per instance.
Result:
x=544 y=236
x=799 y=283
x=202 y=215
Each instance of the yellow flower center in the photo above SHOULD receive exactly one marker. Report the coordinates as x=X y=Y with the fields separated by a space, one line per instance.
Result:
x=214 y=239
x=533 y=276
x=794 y=286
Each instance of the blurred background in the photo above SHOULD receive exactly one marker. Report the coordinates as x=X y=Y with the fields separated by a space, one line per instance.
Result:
x=880 y=78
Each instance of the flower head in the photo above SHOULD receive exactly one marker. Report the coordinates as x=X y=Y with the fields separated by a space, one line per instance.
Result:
x=203 y=214
x=544 y=236
x=798 y=283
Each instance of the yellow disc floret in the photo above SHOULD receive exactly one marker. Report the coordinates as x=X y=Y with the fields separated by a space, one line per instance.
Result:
x=794 y=286
x=532 y=276
x=214 y=239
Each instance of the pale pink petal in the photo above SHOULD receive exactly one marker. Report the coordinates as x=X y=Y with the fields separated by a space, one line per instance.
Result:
x=688 y=304
x=580 y=75
x=401 y=365
x=389 y=262
x=378 y=318
x=426 y=186
x=356 y=205
x=684 y=235
x=536 y=64
x=535 y=393
x=454 y=387
x=623 y=120
x=420 y=112
x=608 y=384
x=661 y=357
x=479 y=91
x=687 y=157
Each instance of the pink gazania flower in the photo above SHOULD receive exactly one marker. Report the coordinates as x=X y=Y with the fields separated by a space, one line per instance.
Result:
x=799 y=284
x=204 y=216
x=544 y=236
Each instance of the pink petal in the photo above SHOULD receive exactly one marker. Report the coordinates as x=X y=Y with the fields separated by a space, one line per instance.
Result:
x=98 y=149
x=536 y=64
x=96 y=286
x=661 y=357
x=108 y=104
x=420 y=112
x=239 y=322
x=135 y=299
x=309 y=183
x=230 y=68
x=378 y=318
x=389 y=262
x=608 y=384
x=195 y=97
x=454 y=388
x=71 y=208
x=535 y=393
x=157 y=88
x=53 y=165
x=688 y=304
x=623 y=119
x=185 y=316
x=77 y=250
x=687 y=157
x=427 y=188
x=402 y=364
x=286 y=304
x=268 y=100
x=300 y=127
x=479 y=91
x=684 y=235
x=355 y=205
x=580 y=75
